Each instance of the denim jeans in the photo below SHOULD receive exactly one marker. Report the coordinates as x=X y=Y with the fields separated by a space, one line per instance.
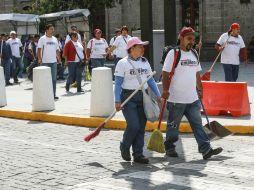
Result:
x=98 y=62
x=192 y=113
x=75 y=73
x=135 y=118
x=53 y=67
x=17 y=67
x=7 y=69
x=231 y=72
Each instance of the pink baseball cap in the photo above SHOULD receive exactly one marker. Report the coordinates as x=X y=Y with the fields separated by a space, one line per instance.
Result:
x=135 y=41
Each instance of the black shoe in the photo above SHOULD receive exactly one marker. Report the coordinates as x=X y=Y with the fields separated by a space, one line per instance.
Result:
x=56 y=98
x=212 y=152
x=8 y=84
x=16 y=81
x=171 y=153
x=141 y=159
x=67 y=88
x=80 y=90
x=125 y=154
x=61 y=78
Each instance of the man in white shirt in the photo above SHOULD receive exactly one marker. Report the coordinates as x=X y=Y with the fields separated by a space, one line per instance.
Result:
x=117 y=33
x=16 y=49
x=120 y=44
x=74 y=29
x=232 y=45
x=49 y=53
x=182 y=95
x=97 y=49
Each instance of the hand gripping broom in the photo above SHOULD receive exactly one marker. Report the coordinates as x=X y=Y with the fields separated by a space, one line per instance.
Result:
x=207 y=75
x=98 y=129
x=155 y=142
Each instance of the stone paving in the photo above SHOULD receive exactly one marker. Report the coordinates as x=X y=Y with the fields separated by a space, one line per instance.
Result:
x=37 y=155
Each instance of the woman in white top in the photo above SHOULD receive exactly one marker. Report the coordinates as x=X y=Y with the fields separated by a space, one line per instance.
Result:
x=97 y=49
x=125 y=83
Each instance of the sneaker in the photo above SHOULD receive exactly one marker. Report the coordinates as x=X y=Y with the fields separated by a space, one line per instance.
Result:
x=212 y=152
x=8 y=84
x=56 y=98
x=80 y=90
x=171 y=153
x=125 y=154
x=141 y=159
x=67 y=88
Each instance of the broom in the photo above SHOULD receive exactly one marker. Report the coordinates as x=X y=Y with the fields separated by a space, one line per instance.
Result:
x=155 y=142
x=207 y=75
x=98 y=129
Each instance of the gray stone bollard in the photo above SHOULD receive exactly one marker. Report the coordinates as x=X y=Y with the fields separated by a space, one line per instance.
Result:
x=43 y=96
x=3 y=101
x=102 y=98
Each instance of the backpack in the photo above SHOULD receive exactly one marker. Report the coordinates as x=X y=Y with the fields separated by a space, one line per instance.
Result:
x=166 y=49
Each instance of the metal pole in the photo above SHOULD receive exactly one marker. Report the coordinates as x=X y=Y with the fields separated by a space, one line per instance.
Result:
x=146 y=25
x=170 y=21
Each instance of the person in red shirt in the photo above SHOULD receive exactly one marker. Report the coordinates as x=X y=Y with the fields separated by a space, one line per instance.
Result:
x=74 y=57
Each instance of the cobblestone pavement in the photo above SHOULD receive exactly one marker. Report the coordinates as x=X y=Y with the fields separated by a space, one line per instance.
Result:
x=36 y=155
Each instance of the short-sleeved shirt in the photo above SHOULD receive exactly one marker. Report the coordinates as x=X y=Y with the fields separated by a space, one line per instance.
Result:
x=48 y=46
x=79 y=50
x=121 y=44
x=98 y=47
x=124 y=69
x=68 y=38
x=183 y=85
x=111 y=44
x=15 y=45
x=230 y=54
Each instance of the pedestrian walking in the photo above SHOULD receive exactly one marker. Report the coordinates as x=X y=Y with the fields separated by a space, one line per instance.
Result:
x=49 y=53
x=74 y=58
x=97 y=49
x=74 y=29
x=112 y=40
x=125 y=83
x=232 y=46
x=6 y=55
x=16 y=49
x=120 y=44
x=183 y=97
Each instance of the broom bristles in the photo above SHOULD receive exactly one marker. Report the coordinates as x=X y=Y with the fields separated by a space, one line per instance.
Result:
x=155 y=142
x=94 y=133
x=206 y=76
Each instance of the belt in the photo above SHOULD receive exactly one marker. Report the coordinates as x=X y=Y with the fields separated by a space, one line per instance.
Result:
x=130 y=91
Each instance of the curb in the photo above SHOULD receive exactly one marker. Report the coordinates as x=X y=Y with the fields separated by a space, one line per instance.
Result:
x=112 y=124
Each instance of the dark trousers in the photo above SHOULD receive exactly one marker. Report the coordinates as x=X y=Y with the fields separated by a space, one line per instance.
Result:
x=231 y=72
x=135 y=118
x=7 y=69
x=75 y=73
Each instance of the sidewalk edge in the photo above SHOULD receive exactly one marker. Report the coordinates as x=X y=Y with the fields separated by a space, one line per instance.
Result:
x=95 y=121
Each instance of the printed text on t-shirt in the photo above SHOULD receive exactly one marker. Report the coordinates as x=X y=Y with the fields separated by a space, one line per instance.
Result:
x=189 y=62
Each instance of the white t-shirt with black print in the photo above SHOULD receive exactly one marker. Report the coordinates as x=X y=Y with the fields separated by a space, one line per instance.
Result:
x=79 y=50
x=230 y=54
x=98 y=48
x=15 y=45
x=121 y=44
x=111 y=44
x=183 y=85
x=48 y=46
x=124 y=69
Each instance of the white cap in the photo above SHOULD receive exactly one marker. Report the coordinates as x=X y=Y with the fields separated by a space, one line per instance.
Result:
x=12 y=32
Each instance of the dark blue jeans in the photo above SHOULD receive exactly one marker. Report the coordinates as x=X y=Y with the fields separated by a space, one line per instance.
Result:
x=135 y=118
x=53 y=67
x=98 y=62
x=75 y=73
x=7 y=69
x=192 y=113
x=231 y=72
x=17 y=67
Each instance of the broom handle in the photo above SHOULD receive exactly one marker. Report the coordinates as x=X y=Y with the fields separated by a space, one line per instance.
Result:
x=132 y=94
x=211 y=68
x=203 y=107
x=162 y=112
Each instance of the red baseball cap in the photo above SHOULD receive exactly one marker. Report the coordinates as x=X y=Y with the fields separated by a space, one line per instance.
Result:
x=97 y=30
x=186 y=31
x=234 y=26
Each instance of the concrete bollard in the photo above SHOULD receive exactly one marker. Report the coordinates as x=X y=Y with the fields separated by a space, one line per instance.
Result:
x=3 y=101
x=43 y=96
x=102 y=98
